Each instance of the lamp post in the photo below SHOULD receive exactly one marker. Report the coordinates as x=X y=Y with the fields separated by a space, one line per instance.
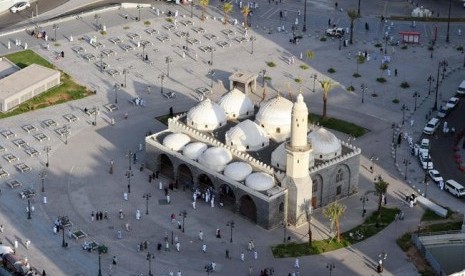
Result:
x=284 y=230
x=63 y=222
x=304 y=28
x=116 y=88
x=96 y=111
x=340 y=43
x=358 y=8
x=382 y=256
x=55 y=28
x=364 y=199
x=125 y=73
x=147 y=196
x=168 y=60
x=183 y=214
x=394 y=127
x=231 y=224
x=97 y=17
x=395 y=153
x=37 y=8
x=99 y=263
x=187 y=41
x=139 y=7
x=211 y=73
x=101 y=63
x=150 y=257
x=430 y=79
x=406 y=163
x=143 y=51
x=263 y=77
x=314 y=76
x=211 y=56
x=42 y=175
x=403 y=109
x=129 y=174
x=443 y=64
x=416 y=95
x=47 y=150
x=67 y=127
x=252 y=39
x=330 y=267
x=29 y=208
x=192 y=8
x=129 y=160
x=364 y=87
x=448 y=22
x=161 y=77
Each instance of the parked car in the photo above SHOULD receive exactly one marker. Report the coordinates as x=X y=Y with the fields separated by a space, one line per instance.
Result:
x=442 y=112
x=5 y=250
x=423 y=147
x=454 y=188
x=452 y=102
x=435 y=176
x=335 y=32
x=431 y=126
x=20 y=6
x=425 y=161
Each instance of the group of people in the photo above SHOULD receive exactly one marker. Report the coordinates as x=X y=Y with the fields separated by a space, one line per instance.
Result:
x=99 y=215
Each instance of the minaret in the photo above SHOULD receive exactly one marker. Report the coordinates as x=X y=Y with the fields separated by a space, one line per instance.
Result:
x=298 y=151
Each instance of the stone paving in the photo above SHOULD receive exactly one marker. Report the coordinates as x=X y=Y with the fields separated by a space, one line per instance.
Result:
x=78 y=180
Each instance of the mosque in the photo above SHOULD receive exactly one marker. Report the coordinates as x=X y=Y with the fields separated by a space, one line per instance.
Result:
x=261 y=160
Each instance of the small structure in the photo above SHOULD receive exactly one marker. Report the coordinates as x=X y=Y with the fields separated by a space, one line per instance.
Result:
x=245 y=82
x=410 y=37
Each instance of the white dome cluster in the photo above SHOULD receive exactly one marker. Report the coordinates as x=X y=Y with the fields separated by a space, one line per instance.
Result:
x=176 y=141
x=215 y=158
x=275 y=117
x=237 y=171
x=206 y=116
x=259 y=181
x=236 y=105
x=247 y=136
x=326 y=146
x=194 y=150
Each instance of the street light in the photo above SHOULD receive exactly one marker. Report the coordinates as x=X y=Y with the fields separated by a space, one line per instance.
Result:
x=42 y=175
x=101 y=62
x=150 y=257
x=147 y=196
x=67 y=127
x=96 y=111
x=192 y=8
x=63 y=220
x=187 y=41
x=55 y=27
x=394 y=128
x=284 y=230
x=129 y=174
x=364 y=87
x=358 y=9
x=139 y=7
x=443 y=64
x=231 y=224
x=97 y=17
x=161 y=77
x=116 y=88
x=29 y=211
x=211 y=73
x=406 y=163
x=382 y=256
x=168 y=60
x=211 y=56
x=430 y=79
x=252 y=39
x=143 y=52
x=330 y=267
x=263 y=77
x=314 y=76
x=364 y=199
x=125 y=73
x=416 y=95
x=47 y=150
x=99 y=263
x=183 y=215
x=403 y=109
x=304 y=28
x=448 y=22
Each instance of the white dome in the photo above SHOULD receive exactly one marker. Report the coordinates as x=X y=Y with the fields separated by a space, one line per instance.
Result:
x=194 y=150
x=275 y=117
x=176 y=141
x=325 y=144
x=279 y=158
x=215 y=158
x=259 y=181
x=237 y=171
x=206 y=115
x=247 y=135
x=236 y=104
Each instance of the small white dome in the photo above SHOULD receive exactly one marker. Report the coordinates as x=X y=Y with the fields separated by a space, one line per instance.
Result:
x=275 y=117
x=194 y=150
x=215 y=158
x=236 y=104
x=206 y=115
x=176 y=141
x=246 y=136
x=325 y=145
x=279 y=158
x=237 y=171
x=259 y=181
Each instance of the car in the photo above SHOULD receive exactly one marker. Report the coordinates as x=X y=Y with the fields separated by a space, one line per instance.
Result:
x=435 y=176
x=425 y=161
x=431 y=126
x=442 y=112
x=423 y=147
x=20 y=6
x=335 y=32
x=452 y=102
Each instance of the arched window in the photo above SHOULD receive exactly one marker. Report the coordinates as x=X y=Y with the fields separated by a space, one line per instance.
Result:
x=339 y=176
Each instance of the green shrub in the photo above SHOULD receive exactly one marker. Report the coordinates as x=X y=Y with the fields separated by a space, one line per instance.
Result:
x=323 y=39
x=356 y=75
x=304 y=67
x=351 y=88
x=381 y=80
x=374 y=95
x=396 y=101
x=147 y=23
x=331 y=70
x=404 y=84
x=460 y=48
x=271 y=64
x=125 y=27
x=297 y=80
x=267 y=78
x=103 y=32
x=384 y=66
x=169 y=19
x=378 y=45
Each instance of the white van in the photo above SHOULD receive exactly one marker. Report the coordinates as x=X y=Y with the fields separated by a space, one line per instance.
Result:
x=431 y=126
x=454 y=188
x=461 y=88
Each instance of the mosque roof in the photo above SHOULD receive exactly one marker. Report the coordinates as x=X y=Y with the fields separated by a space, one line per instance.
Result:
x=176 y=141
x=194 y=150
x=237 y=171
x=236 y=103
x=206 y=113
x=247 y=135
x=215 y=158
x=275 y=111
x=259 y=181
x=324 y=142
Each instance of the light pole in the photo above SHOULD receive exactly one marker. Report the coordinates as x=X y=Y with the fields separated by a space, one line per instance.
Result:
x=187 y=41
x=143 y=51
x=403 y=109
x=263 y=77
x=55 y=27
x=211 y=56
x=42 y=175
x=211 y=73
x=416 y=95
x=183 y=215
x=129 y=159
x=252 y=39
x=147 y=196
x=192 y=8
x=443 y=64
x=96 y=111
x=101 y=63
x=394 y=127
x=47 y=150
x=314 y=76
x=116 y=88
x=129 y=174
x=284 y=231
x=430 y=79
x=406 y=163
x=150 y=257
x=67 y=127
x=168 y=60
x=330 y=267
x=364 y=199
x=304 y=28
x=63 y=221
x=382 y=256
x=37 y=8
x=448 y=22
x=99 y=263
x=161 y=77
x=364 y=87
x=29 y=208
x=97 y=17
x=231 y=224
x=125 y=73
x=358 y=9
x=139 y=7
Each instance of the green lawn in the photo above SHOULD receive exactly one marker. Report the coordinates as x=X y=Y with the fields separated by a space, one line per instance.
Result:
x=339 y=125
x=68 y=90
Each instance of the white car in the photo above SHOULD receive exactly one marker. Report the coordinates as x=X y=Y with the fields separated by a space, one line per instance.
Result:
x=335 y=32
x=452 y=102
x=425 y=161
x=435 y=175
x=20 y=6
x=423 y=147
x=442 y=112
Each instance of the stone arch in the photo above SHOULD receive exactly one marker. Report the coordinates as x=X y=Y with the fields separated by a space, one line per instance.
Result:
x=185 y=176
x=165 y=166
x=317 y=191
x=227 y=196
x=205 y=182
x=248 y=208
x=342 y=180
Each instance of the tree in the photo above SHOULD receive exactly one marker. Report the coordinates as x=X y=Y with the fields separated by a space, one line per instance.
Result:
x=204 y=4
x=309 y=54
x=380 y=188
x=326 y=85
x=245 y=13
x=308 y=210
x=360 y=60
x=227 y=8
x=334 y=212
x=352 y=16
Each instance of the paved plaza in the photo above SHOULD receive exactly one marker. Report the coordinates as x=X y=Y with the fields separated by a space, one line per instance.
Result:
x=133 y=55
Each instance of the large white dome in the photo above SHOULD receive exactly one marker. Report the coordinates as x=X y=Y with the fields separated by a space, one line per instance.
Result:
x=194 y=150
x=237 y=171
x=325 y=145
x=236 y=104
x=176 y=141
x=275 y=117
x=246 y=136
x=279 y=158
x=259 y=181
x=206 y=115
x=215 y=158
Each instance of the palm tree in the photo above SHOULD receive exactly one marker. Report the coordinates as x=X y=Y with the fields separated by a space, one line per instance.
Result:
x=307 y=208
x=310 y=54
x=360 y=60
x=204 y=4
x=245 y=13
x=227 y=8
x=326 y=85
x=333 y=212
x=352 y=16
x=381 y=188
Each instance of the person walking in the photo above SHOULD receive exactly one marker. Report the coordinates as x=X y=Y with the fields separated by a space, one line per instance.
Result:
x=255 y=255
x=27 y=243
x=250 y=270
x=201 y=235
x=242 y=256
x=115 y=260
x=204 y=248
x=178 y=246
x=296 y=263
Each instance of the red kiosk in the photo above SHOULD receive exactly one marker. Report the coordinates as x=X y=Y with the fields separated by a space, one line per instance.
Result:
x=410 y=37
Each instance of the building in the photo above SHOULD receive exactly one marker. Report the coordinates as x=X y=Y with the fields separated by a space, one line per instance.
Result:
x=25 y=84
x=265 y=166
